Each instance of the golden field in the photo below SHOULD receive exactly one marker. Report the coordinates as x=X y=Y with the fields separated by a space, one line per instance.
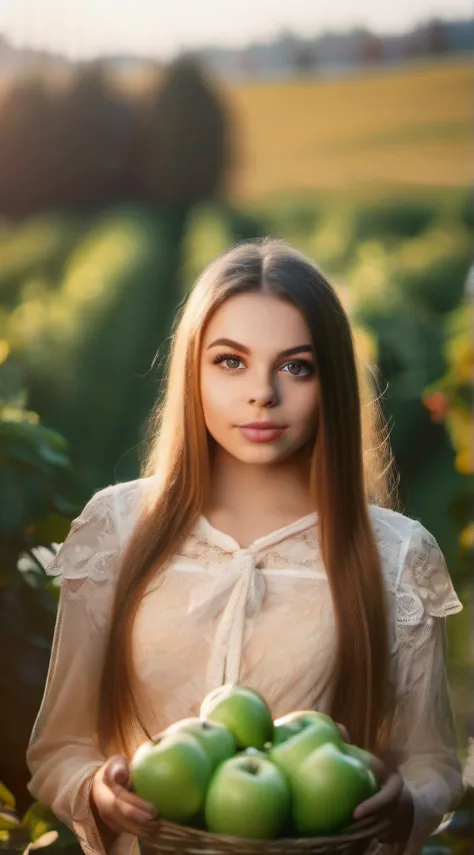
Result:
x=405 y=127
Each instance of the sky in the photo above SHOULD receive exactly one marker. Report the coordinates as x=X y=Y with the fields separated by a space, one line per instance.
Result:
x=159 y=28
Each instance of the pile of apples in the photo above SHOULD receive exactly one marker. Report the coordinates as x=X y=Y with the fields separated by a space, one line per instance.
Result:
x=237 y=772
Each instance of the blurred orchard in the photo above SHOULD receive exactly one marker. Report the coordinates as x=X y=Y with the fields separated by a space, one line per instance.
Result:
x=113 y=196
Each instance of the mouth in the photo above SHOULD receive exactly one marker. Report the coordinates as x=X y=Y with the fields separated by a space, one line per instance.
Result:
x=264 y=426
x=262 y=431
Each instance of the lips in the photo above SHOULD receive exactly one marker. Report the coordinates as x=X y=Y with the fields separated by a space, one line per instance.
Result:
x=262 y=431
x=264 y=426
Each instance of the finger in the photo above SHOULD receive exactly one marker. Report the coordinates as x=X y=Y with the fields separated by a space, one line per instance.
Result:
x=378 y=768
x=120 y=821
x=388 y=794
x=116 y=771
x=118 y=779
x=135 y=801
x=132 y=812
x=343 y=731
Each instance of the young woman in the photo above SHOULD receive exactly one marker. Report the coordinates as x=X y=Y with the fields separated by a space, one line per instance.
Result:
x=257 y=547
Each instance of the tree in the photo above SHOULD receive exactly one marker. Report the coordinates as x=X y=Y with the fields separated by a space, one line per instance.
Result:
x=185 y=139
x=93 y=136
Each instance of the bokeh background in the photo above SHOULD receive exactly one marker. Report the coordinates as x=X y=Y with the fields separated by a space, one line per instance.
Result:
x=136 y=142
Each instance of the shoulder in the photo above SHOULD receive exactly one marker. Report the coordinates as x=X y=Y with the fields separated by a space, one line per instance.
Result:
x=413 y=567
x=395 y=534
x=98 y=533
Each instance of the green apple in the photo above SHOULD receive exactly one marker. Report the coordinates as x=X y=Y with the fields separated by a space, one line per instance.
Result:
x=359 y=753
x=281 y=732
x=217 y=741
x=294 y=722
x=326 y=789
x=372 y=763
x=252 y=752
x=310 y=731
x=243 y=711
x=247 y=797
x=172 y=774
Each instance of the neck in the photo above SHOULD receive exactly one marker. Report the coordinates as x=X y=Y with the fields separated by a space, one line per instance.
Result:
x=245 y=489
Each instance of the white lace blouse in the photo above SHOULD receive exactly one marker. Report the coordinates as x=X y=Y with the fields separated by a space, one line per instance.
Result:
x=218 y=613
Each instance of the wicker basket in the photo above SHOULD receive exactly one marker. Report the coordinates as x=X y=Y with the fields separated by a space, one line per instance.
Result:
x=180 y=839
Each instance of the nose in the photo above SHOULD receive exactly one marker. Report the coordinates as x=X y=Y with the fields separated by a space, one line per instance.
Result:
x=267 y=396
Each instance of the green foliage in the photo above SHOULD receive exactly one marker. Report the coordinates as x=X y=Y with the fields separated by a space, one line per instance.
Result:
x=467 y=212
x=38 y=498
x=33 y=253
x=37 y=487
x=393 y=219
x=88 y=345
x=243 y=225
x=294 y=217
x=211 y=229
x=38 y=828
x=440 y=286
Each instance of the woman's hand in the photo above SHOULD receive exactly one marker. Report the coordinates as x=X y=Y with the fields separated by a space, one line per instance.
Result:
x=393 y=801
x=119 y=809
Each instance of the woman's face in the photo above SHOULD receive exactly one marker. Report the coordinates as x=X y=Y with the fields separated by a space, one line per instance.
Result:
x=258 y=366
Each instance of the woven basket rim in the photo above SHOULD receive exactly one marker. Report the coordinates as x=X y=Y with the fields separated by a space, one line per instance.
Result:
x=366 y=828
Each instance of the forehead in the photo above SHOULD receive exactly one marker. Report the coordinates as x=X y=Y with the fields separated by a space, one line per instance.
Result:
x=257 y=319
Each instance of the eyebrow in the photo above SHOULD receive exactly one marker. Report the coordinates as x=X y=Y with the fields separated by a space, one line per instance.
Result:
x=290 y=351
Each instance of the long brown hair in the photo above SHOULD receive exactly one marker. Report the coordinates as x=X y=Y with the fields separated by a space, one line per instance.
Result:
x=350 y=464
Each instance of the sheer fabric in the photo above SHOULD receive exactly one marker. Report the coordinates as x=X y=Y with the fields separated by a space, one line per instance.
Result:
x=262 y=616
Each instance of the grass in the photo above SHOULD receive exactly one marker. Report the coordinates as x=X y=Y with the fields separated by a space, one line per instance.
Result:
x=397 y=129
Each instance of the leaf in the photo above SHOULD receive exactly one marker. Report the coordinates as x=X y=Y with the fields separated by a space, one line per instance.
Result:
x=46 y=839
x=56 y=458
x=6 y=797
x=8 y=820
x=39 y=820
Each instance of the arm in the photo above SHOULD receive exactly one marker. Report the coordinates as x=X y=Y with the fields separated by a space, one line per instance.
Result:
x=424 y=735
x=63 y=754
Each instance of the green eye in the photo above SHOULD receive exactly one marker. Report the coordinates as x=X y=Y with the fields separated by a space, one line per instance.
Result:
x=227 y=357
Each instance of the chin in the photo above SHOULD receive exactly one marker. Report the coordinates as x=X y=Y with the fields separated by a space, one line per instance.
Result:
x=259 y=455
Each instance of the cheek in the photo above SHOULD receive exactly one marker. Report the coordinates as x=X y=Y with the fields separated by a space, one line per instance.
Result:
x=216 y=396
x=306 y=404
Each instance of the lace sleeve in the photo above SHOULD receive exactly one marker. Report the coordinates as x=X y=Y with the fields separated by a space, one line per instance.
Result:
x=63 y=752
x=424 y=732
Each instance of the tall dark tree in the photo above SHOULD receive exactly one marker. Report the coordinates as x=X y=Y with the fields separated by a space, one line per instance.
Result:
x=67 y=149
x=94 y=133
x=186 y=140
